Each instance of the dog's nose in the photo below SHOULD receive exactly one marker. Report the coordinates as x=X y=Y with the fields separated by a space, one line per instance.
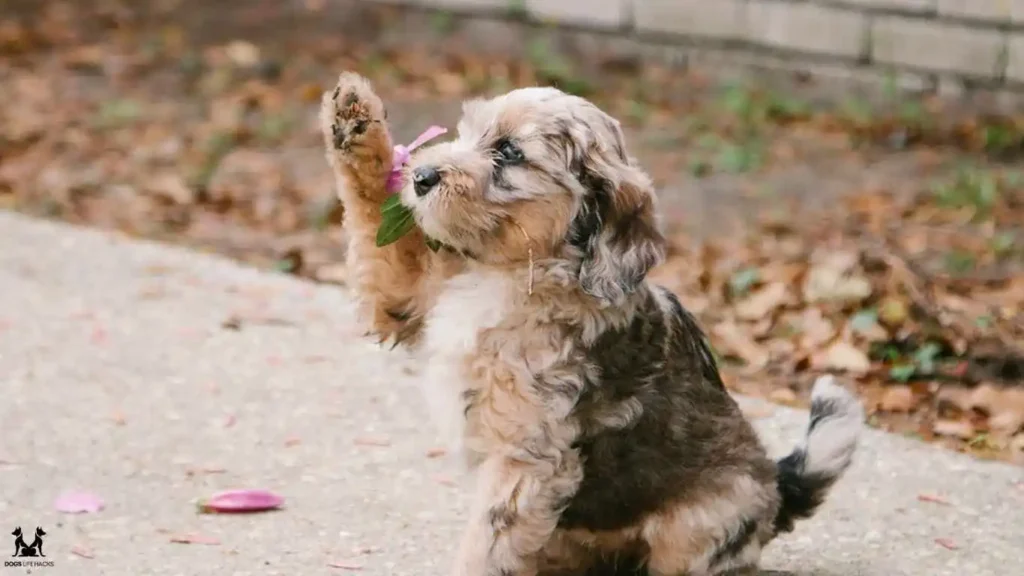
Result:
x=424 y=179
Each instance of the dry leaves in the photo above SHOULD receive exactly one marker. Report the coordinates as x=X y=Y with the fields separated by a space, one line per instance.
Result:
x=214 y=149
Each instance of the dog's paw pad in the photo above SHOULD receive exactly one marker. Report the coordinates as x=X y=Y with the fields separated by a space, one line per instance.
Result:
x=351 y=111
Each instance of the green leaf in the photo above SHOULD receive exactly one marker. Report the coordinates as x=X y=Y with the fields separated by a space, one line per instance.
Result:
x=744 y=280
x=394 y=202
x=902 y=372
x=396 y=221
x=864 y=320
x=925 y=357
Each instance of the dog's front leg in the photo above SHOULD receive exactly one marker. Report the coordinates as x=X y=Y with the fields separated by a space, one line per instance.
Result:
x=515 y=513
x=359 y=150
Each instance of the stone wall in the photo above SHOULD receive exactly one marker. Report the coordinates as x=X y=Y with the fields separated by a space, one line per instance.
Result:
x=955 y=44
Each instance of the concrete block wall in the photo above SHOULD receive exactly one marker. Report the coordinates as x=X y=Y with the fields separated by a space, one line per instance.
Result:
x=977 y=43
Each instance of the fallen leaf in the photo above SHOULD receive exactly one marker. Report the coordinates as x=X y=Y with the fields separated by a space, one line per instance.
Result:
x=762 y=303
x=436 y=452
x=932 y=499
x=865 y=324
x=371 y=441
x=195 y=539
x=893 y=312
x=842 y=356
x=734 y=340
x=345 y=565
x=246 y=500
x=815 y=329
x=230 y=420
x=897 y=398
x=783 y=396
x=82 y=551
x=77 y=502
x=832 y=279
x=962 y=429
x=946 y=543
x=292 y=441
x=242 y=53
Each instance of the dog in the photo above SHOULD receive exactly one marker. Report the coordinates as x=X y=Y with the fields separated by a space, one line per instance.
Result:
x=22 y=550
x=586 y=399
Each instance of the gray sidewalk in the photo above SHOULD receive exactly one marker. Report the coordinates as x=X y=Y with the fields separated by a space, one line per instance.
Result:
x=118 y=376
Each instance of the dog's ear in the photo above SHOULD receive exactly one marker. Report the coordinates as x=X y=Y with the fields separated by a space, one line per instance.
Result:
x=616 y=227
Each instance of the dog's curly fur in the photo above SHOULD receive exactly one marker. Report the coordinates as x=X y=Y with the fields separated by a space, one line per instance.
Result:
x=587 y=400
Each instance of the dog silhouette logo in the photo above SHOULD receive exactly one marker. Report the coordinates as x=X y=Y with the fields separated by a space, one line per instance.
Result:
x=33 y=550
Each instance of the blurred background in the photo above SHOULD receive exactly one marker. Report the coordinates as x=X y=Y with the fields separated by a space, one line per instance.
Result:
x=842 y=184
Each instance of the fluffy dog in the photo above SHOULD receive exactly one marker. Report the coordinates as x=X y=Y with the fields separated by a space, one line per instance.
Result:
x=588 y=401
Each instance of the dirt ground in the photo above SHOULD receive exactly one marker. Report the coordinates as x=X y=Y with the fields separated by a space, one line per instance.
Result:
x=880 y=236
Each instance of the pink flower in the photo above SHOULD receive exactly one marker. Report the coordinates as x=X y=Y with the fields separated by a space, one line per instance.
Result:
x=402 y=154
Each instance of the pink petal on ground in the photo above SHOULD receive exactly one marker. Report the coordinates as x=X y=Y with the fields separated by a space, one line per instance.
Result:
x=74 y=502
x=82 y=551
x=241 y=501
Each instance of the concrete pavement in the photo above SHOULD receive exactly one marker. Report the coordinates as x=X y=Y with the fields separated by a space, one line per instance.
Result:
x=118 y=376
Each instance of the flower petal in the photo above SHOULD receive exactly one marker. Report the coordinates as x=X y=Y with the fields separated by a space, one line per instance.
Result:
x=77 y=502
x=427 y=135
x=241 y=501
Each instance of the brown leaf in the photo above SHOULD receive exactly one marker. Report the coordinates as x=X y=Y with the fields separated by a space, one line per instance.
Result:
x=815 y=329
x=947 y=543
x=897 y=398
x=763 y=303
x=436 y=452
x=735 y=341
x=962 y=429
x=842 y=356
x=783 y=396
x=832 y=279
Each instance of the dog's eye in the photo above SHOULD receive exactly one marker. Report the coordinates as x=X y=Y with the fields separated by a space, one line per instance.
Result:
x=509 y=153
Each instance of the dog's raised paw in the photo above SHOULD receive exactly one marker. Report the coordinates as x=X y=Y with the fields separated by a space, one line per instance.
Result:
x=351 y=114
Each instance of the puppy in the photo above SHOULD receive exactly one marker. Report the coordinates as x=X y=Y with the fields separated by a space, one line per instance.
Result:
x=587 y=400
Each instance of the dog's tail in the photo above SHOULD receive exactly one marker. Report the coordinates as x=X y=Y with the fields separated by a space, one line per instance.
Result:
x=807 y=474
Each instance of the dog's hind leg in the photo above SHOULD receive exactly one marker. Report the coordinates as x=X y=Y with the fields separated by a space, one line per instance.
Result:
x=515 y=515
x=359 y=149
